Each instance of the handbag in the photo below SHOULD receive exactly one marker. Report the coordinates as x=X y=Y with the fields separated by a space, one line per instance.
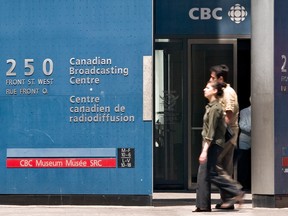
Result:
x=228 y=134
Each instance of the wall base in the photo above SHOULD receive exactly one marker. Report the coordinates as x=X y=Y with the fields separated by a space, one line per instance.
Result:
x=131 y=200
x=270 y=201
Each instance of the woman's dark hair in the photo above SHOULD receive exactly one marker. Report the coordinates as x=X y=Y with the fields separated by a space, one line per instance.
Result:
x=219 y=86
x=220 y=70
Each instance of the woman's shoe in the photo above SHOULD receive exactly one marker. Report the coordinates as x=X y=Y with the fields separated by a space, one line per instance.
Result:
x=201 y=210
x=219 y=206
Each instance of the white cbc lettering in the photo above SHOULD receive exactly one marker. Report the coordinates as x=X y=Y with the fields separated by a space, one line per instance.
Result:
x=25 y=163
x=204 y=13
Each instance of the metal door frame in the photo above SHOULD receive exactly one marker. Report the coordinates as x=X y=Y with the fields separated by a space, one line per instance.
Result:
x=168 y=45
x=189 y=95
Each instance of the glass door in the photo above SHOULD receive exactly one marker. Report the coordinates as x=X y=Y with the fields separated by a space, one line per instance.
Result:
x=168 y=135
x=202 y=54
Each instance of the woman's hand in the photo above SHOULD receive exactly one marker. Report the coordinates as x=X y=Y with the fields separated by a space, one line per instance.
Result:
x=203 y=157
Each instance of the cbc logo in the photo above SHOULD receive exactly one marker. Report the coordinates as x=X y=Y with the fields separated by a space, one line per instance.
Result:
x=205 y=13
x=237 y=13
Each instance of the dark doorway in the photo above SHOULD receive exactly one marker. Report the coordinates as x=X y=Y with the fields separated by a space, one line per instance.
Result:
x=202 y=54
x=169 y=157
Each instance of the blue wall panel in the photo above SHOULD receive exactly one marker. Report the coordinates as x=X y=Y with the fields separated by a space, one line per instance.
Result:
x=281 y=96
x=48 y=35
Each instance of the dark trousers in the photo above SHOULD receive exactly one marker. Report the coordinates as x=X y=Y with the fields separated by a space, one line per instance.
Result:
x=212 y=172
x=244 y=168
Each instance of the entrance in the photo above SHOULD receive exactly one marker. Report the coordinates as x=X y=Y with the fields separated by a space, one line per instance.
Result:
x=181 y=72
x=202 y=54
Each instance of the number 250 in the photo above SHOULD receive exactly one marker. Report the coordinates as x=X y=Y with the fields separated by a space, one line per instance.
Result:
x=28 y=65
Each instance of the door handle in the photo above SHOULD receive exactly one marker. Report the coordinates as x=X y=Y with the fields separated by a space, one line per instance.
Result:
x=196 y=128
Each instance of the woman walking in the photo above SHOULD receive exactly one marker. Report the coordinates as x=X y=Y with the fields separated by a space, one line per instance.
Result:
x=213 y=142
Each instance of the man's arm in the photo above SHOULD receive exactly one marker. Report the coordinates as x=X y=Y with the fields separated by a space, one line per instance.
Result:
x=228 y=116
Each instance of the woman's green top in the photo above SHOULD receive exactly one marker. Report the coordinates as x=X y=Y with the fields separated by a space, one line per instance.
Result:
x=214 y=126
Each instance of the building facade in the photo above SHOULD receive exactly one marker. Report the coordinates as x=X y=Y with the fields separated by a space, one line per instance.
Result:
x=102 y=102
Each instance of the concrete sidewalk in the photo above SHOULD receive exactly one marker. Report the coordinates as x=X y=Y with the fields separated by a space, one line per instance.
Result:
x=165 y=204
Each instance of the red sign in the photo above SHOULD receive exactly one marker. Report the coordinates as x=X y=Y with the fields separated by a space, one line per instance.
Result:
x=61 y=162
x=284 y=161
